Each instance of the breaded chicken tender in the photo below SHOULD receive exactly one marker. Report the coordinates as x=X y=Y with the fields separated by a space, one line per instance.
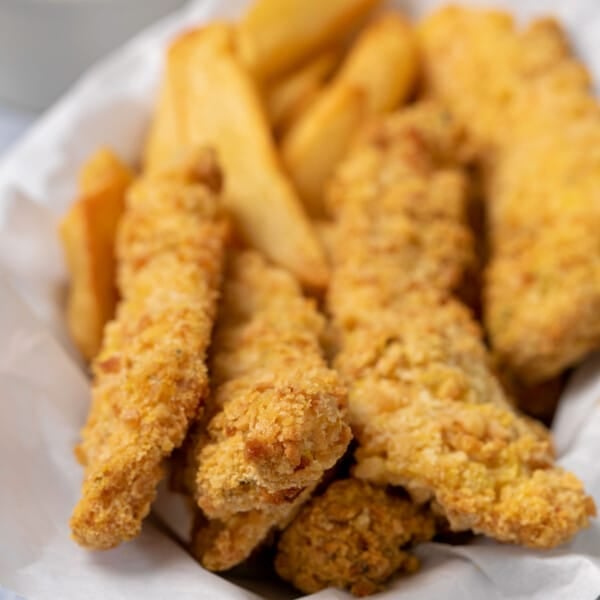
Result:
x=394 y=200
x=424 y=404
x=220 y=544
x=150 y=378
x=534 y=128
x=430 y=416
x=354 y=536
x=276 y=420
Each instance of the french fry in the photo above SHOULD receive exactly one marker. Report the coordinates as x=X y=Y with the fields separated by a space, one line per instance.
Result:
x=88 y=233
x=163 y=138
x=216 y=103
x=378 y=74
x=320 y=141
x=276 y=36
x=288 y=98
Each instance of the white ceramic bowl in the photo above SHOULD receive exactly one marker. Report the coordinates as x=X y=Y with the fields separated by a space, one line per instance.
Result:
x=46 y=44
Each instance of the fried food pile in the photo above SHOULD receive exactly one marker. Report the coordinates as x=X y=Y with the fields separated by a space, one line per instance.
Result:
x=276 y=416
x=534 y=127
x=426 y=408
x=150 y=377
x=273 y=307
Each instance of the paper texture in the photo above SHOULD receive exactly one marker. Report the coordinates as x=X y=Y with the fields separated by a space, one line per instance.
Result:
x=44 y=391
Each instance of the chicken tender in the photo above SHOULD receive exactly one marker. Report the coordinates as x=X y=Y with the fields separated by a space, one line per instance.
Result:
x=534 y=129
x=396 y=202
x=150 y=378
x=220 y=544
x=88 y=236
x=424 y=404
x=276 y=420
x=354 y=536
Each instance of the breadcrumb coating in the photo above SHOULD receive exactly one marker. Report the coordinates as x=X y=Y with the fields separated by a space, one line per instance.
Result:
x=424 y=404
x=276 y=419
x=430 y=416
x=395 y=201
x=150 y=378
x=535 y=130
x=354 y=536
x=220 y=544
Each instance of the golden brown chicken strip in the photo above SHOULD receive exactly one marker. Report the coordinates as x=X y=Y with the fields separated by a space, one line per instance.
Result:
x=425 y=406
x=150 y=378
x=220 y=544
x=276 y=420
x=88 y=235
x=395 y=200
x=532 y=125
x=354 y=536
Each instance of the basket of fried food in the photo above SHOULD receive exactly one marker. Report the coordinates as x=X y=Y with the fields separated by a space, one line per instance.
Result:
x=336 y=305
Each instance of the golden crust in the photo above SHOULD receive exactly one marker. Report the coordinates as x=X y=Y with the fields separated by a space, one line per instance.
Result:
x=354 y=536
x=276 y=420
x=220 y=544
x=532 y=126
x=443 y=429
x=150 y=379
x=424 y=404
x=392 y=199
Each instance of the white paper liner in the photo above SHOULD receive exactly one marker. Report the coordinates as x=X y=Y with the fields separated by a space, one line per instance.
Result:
x=44 y=391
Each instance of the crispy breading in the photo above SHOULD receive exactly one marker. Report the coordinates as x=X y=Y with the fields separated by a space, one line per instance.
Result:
x=150 y=378
x=354 y=536
x=276 y=419
x=424 y=404
x=88 y=235
x=394 y=200
x=220 y=544
x=364 y=86
x=535 y=128
x=444 y=430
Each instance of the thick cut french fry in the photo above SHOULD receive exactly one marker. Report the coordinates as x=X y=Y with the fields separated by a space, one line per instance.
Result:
x=216 y=103
x=163 y=139
x=276 y=36
x=287 y=98
x=88 y=233
x=380 y=69
x=320 y=141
